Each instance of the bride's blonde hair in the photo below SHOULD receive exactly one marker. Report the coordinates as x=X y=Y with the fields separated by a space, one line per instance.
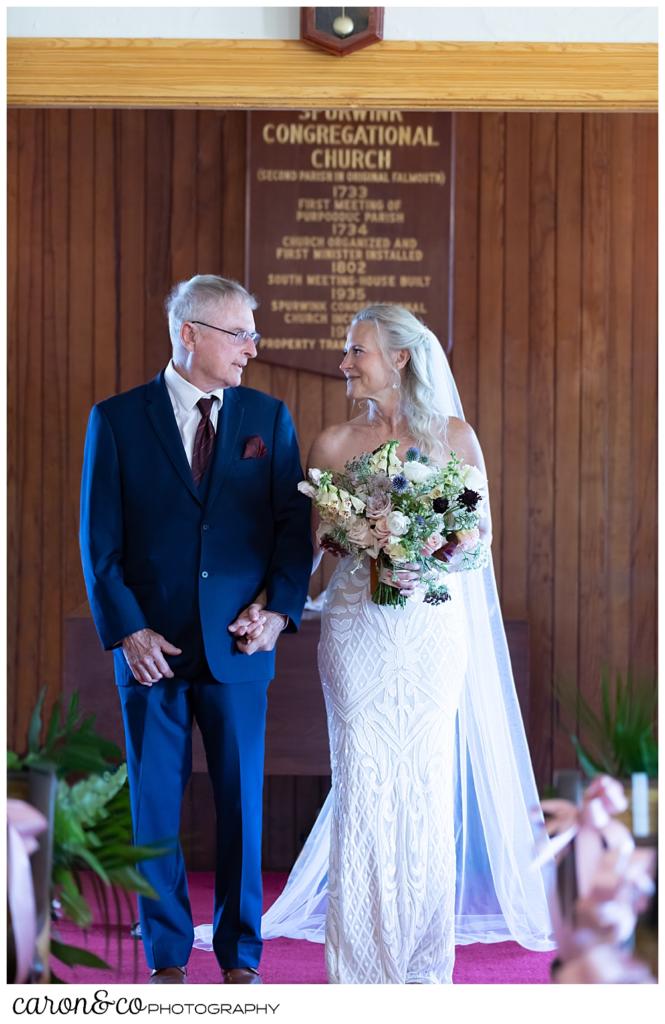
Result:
x=398 y=329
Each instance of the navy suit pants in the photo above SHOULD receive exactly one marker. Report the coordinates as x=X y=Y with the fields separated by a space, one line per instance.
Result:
x=158 y=732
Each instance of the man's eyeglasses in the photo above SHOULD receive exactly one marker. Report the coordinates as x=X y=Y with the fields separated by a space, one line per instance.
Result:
x=238 y=336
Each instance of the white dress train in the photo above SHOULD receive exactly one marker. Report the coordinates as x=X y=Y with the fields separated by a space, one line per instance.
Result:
x=391 y=679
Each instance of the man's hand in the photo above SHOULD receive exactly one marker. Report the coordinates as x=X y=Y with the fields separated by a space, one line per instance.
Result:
x=143 y=654
x=256 y=629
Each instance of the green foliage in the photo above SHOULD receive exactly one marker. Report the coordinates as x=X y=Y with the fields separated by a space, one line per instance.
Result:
x=92 y=825
x=70 y=745
x=620 y=740
x=72 y=955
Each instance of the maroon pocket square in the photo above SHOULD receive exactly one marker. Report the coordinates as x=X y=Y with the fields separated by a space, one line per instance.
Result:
x=254 y=448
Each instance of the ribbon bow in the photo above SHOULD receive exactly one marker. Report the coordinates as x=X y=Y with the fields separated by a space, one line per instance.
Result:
x=24 y=824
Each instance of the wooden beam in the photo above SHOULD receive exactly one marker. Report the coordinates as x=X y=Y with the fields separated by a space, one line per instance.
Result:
x=287 y=74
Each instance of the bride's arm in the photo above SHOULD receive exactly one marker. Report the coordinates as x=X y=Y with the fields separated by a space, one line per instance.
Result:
x=463 y=441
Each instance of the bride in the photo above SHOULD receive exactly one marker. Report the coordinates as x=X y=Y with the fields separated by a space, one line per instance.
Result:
x=427 y=835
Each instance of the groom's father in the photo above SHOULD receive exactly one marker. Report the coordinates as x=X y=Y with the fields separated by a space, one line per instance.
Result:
x=190 y=509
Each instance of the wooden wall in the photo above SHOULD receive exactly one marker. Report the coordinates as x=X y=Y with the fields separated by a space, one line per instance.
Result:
x=555 y=356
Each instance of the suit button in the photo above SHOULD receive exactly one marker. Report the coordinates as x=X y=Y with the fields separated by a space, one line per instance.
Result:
x=206 y=526
x=204 y=574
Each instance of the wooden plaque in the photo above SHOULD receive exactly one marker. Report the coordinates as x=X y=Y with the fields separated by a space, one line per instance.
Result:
x=345 y=208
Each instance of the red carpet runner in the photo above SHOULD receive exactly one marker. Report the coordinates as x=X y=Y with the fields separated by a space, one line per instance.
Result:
x=285 y=961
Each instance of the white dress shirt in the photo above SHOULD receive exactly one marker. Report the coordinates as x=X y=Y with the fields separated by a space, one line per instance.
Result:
x=184 y=397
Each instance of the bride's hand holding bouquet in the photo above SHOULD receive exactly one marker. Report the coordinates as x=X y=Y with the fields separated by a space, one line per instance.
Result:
x=404 y=516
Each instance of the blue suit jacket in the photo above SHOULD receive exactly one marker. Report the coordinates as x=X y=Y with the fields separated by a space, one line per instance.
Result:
x=159 y=553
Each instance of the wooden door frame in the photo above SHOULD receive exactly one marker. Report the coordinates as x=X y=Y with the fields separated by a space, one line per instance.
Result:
x=289 y=74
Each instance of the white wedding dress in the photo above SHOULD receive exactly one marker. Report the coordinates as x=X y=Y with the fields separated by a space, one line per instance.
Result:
x=391 y=679
x=428 y=836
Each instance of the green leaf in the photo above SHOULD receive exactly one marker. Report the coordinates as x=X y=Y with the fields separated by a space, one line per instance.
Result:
x=35 y=726
x=52 y=730
x=129 y=879
x=74 y=955
x=74 y=903
x=14 y=762
x=588 y=766
x=72 y=711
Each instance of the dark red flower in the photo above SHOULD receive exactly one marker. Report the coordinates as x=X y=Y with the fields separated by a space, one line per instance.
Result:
x=469 y=499
x=328 y=544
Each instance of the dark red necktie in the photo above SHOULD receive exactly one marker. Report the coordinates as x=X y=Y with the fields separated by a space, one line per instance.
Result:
x=204 y=441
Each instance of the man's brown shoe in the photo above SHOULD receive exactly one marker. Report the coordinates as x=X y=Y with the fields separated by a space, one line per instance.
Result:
x=168 y=976
x=241 y=976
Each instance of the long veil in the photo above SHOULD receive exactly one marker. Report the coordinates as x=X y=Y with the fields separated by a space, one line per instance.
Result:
x=499 y=895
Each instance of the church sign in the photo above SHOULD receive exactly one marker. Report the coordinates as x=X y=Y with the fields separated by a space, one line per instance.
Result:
x=345 y=208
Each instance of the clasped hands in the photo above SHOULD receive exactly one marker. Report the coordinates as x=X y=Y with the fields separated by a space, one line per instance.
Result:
x=254 y=629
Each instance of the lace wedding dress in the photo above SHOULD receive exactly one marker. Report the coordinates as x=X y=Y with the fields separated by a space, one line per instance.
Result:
x=428 y=836
x=391 y=679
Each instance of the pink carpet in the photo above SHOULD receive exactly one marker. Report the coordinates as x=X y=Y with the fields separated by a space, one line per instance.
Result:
x=285 y=961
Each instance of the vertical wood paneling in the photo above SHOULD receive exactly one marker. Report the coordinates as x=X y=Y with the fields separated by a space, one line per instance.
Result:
x=183 y=199
x=233 y=159
x=567 y=417
x=541 y=432
x=284 y=385
x=593 y=425
x=130 y=149
x=105 y=296
x=644 y=439
x=56 y=348
x=619 y=358
x=490 y=314
x=14 y=520
x=464 y=356
x=514 y=436
x=554 y=333
x=80 y=380
x=309 y=410
x=258 y=375
x=335 y=410
x=159 y=186
x=211 y=181
x=29 y=398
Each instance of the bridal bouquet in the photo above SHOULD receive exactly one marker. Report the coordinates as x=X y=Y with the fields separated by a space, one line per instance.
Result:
x=389 y=511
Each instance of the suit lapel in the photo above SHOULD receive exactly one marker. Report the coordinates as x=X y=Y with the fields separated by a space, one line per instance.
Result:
x=160 y=413
x=228 y=428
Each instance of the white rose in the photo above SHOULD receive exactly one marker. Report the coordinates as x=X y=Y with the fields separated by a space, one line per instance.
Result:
x=315 y=476
x=307 y=489
x=417 y=472
x=474 y=479
x=398 y=523
x=395 y=551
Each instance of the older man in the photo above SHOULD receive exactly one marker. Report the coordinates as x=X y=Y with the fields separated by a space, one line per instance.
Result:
x=189 y=510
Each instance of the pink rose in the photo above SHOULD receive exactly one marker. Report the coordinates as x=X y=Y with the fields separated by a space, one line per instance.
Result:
x=432 y=544
x=378 y=506
x=382 y=530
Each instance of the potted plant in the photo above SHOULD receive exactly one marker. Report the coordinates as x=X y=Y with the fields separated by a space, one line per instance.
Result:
x=91 y=821
x=619 y=739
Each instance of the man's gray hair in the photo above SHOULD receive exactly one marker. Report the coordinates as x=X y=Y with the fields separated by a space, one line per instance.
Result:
x=189 y=300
